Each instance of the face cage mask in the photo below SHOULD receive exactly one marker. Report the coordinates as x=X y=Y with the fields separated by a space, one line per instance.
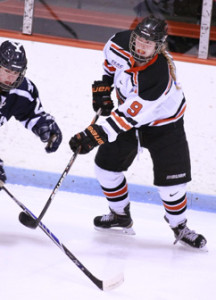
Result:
x=137 y=56
x=15 y=84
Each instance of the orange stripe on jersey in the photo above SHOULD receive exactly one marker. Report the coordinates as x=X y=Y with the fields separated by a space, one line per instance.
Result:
x=121 y=121
x=171 y=119
x=137 y=69
x=111 y=69
x=132 y=60
x=118 y=193
x=135 y=73
x=176 y=207
x=120 y=50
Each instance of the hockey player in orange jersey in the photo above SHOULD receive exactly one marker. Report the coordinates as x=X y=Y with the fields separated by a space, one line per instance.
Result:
x=150 y=114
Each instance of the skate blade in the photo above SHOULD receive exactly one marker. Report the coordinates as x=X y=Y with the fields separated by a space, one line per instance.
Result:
x=117 y=230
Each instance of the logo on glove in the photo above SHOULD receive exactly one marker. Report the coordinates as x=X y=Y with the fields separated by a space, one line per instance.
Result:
x=95 y=135
x=101 y=89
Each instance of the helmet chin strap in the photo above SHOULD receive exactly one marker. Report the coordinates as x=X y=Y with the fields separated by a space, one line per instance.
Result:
x=142 y=59
x=145 y=59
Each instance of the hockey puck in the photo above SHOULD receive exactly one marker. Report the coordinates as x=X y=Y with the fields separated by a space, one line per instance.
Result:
x=27 y=220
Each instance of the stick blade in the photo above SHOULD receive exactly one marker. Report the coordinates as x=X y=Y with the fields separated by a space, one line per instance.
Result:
x=113 y=283
x=27 y=220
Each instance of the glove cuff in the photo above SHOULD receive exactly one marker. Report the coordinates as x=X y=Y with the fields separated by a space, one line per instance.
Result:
x=97 y=134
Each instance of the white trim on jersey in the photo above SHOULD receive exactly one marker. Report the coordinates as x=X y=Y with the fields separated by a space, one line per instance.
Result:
x=22 y=93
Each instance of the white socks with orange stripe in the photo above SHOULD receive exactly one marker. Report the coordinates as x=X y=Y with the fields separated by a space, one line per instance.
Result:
x=175 y=203
x=115 y=189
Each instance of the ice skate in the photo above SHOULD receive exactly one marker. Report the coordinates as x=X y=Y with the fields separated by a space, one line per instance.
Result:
x=114 y=223
x=188 y=237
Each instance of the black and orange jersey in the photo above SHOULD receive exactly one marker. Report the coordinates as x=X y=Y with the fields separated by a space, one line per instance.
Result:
x=147 y=95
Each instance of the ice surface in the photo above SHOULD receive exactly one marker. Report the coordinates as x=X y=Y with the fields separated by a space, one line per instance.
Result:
x=32 y=266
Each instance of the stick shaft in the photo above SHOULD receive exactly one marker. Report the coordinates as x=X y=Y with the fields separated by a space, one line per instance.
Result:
x=64 y=174
x=96 y=281
x=56 y=188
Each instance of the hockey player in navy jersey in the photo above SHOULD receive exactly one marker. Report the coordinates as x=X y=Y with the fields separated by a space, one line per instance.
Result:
x=19 y=98
x=151 y=106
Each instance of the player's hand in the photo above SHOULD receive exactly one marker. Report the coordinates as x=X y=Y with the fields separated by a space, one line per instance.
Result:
x=101 y=92
x=49 y=132
x=3 y=177
x=86 y=140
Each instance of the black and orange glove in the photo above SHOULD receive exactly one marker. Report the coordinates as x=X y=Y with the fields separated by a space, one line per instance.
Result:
x=92 y=136
x=101 y=92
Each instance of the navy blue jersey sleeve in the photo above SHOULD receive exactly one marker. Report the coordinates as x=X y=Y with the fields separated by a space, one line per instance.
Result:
x=22 y=103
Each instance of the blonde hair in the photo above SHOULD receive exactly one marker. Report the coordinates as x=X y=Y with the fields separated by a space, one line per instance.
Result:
x=171 y=65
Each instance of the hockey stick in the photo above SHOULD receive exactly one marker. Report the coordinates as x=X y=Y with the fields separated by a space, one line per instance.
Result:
x=101 y=284
x=30 y=222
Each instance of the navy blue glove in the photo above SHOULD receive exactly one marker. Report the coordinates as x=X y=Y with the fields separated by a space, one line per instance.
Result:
x=49 y=132
x=91 y=137
x=3 y=177
x=101 y=92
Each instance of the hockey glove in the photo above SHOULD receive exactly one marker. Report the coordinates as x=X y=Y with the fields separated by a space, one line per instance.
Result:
x=91 y=137
x=3 y=177
x=49 y=132
x=101 y=97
